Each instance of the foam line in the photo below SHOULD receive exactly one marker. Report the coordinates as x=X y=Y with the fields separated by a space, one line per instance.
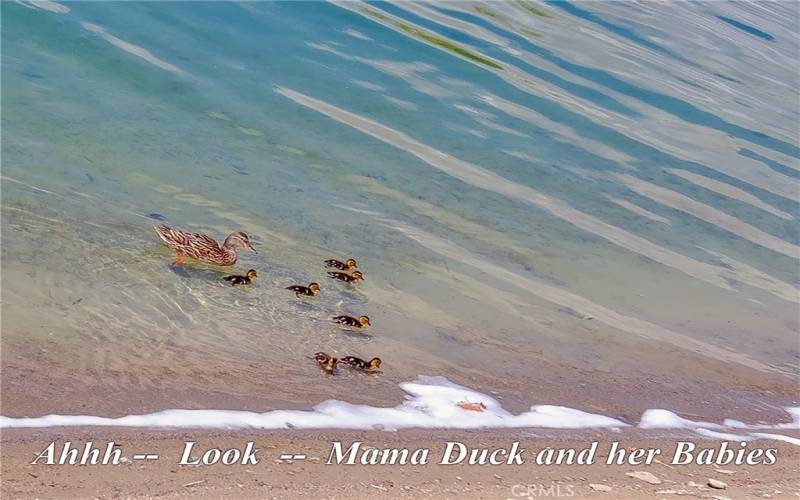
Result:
x=777 y=437
x=724 y=436
x=432 y=403
x=665 y=419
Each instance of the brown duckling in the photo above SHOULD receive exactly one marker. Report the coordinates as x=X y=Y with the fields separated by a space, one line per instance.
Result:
x=360 y=322
x=237 y=279
x=347 y=278
x=326 y=362
x=359 y=364
x=344 y=266
x=309 y=291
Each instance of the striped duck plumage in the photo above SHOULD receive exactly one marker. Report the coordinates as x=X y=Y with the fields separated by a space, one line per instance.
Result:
x=237 y=279
x=203 y=247
x=359 y=322
x=344 y=266
x=360 y=364
x=309 y=291
x=326 y=362
x=347 y=278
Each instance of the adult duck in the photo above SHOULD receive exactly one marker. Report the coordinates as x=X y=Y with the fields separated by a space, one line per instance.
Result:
x=201 y=246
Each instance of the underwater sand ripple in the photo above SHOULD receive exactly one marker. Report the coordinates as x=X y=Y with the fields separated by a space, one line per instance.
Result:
x=563 y=298
x=484 y=179
x=130 y=48
x=638 y=210
x=729 y=191
x=709 y=214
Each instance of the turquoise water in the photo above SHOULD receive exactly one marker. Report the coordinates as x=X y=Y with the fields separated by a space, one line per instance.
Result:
x=535 y=191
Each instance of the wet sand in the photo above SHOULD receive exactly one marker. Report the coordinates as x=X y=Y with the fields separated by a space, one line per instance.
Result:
x=273 y=478
x=67 y=383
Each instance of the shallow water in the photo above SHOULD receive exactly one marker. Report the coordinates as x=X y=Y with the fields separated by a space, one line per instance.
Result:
x=539 y=194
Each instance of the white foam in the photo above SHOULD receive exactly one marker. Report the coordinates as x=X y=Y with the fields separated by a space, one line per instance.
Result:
x=777 y=437
x=665 y=419
x=794 y=424
x=431 y=403
x=724 y=436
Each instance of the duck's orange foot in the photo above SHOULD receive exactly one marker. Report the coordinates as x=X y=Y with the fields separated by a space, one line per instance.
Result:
x=179 y=260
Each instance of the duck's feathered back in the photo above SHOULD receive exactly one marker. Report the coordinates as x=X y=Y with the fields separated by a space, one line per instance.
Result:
x=195 y=245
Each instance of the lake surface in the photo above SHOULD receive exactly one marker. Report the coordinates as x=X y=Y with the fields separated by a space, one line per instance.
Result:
x=591 y=204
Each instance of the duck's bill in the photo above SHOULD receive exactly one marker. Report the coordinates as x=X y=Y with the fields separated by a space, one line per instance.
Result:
x=250 y=247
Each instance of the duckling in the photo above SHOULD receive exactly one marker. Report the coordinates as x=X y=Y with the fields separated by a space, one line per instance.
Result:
x=310 y=290
x=359 y=322
x=347 y=278
x=236 y=279
x=344 y=266
x=326 y=362
x=359 y=364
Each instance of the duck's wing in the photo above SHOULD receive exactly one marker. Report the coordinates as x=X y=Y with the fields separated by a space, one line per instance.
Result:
x=202 y=245
x=171 y=236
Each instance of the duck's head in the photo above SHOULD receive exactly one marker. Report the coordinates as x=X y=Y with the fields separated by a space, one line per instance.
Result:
x=357 y=275
x=239 y=240
x=314 y=287
x=252 y=273
x=374 y=363
x=330 y=364
x=321 y=357
x=350 y=264
x=364 y=320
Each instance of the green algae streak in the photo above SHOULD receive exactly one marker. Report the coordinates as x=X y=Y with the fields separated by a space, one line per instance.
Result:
x=488 y=13
x=447 y=45
x=374 y=13
x=536 y=11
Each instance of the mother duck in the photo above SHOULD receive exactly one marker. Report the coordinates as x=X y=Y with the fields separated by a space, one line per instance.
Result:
x=203 y=247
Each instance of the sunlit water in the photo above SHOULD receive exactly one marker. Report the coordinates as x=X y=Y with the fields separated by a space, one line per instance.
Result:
x=539 y=194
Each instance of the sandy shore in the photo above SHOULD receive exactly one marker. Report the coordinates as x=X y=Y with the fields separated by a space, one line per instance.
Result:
x=312 y=477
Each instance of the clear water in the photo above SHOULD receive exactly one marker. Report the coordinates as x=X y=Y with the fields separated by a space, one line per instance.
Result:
x=537 y=193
